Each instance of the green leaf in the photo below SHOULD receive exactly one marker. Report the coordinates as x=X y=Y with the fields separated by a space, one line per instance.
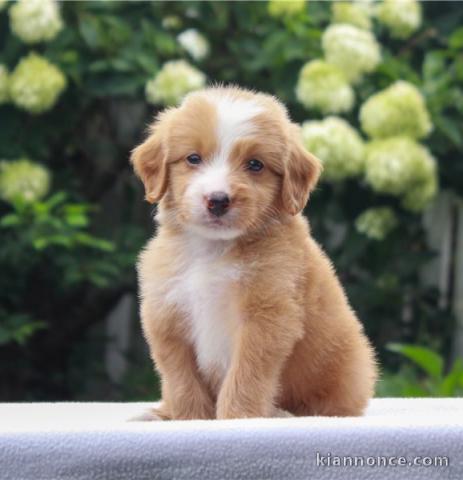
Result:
x=146 y=61
x=99 y=66
x=451 y=129
x=77 y=220
x=88 y=28
x=431 y=362
x=25 y=331
x=114 y=84
x=40 y=243
x=456 y=39
x=98 y=243
x=56 y=199
x=17 y=327
x=415 y=391
x=10 y=220
x=452 y=380
x=433 y=65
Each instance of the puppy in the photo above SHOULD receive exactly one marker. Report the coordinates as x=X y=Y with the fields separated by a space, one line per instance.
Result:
x=241 y=308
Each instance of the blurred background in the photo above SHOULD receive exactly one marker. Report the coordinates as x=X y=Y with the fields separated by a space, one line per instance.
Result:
x=378 y=90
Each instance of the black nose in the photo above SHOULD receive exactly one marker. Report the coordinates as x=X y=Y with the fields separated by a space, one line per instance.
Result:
x=218 y=203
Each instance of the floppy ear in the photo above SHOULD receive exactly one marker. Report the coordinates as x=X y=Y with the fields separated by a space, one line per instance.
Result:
x=301 y=174
x=149 y=161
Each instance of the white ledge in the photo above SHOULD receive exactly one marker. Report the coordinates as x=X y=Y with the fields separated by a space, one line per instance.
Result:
x=95 y=441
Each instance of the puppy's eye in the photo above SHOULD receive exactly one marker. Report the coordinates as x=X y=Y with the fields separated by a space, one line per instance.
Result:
x=194 y=159
x=254 y=165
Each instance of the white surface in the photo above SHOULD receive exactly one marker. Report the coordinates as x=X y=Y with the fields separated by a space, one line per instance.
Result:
x=95 y=441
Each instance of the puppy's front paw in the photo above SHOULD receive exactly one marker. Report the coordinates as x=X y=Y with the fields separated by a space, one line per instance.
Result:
x=280 y=413
x=229 y=409
x=150 y=415
x=196 y=410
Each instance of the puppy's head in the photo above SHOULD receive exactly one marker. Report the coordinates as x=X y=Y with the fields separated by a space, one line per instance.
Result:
x=225 y=162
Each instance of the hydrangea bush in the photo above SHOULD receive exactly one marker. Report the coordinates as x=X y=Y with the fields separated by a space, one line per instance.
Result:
x=399 y=166
x=399 y=109
x=35 y=21
x=324 y=87
x=175 y=79
x=338 y=145
x=353 y=50
x=351 y=13
x=194 y=43
x=392 y=119
x=35 y=84
x=376 y=87
x=376 y=223
x=401 y=18
x=23 y=180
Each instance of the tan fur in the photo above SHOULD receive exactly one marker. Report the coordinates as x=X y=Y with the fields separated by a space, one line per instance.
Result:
x=297 y=346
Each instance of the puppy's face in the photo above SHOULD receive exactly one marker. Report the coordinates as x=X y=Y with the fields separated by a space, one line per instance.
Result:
x=226 y=162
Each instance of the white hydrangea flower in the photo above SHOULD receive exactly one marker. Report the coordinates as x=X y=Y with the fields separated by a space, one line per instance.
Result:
x=398 y=110
x=36 y=84
x=352 y=50
x=419 y=197
x=401 y=17
x=337 y=144
x=194 y=43
x=35 y=21
x=175 y=79
x=400 y=166
x=368 y=6
x=23 y=180
x=376 y=223
x=351 y=13
x=324 y=87
x=278 y=8
x=4 y=84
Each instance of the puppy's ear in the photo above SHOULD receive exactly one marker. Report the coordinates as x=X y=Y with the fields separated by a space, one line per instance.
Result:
x=149 y=160
x=301 y=174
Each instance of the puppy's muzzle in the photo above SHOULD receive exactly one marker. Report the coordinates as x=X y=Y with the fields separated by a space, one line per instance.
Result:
x=218 y=203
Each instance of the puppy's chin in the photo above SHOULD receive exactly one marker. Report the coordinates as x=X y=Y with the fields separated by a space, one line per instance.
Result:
x=202 y=224
x=215 y=232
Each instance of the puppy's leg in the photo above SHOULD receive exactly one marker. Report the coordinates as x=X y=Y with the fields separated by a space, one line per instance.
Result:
x=184 y=394
x=354 y=387
x=264 y=341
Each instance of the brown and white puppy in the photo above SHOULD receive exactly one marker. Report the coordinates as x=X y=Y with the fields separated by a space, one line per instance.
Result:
x=242 y=310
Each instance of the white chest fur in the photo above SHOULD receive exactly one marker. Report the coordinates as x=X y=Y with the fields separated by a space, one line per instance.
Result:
x=203 y=290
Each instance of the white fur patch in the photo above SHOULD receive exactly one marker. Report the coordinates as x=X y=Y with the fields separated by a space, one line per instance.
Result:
x=202 y=291
x=234 y=121
x=212 y=178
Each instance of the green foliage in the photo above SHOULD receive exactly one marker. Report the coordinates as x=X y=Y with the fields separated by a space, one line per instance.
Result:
x=17 y=327
x=442 y=73
x=425 y=376
x=53 y=222
x=67 y=258
x=426 y=359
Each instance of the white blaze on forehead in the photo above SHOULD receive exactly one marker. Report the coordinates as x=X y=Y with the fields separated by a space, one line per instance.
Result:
x=234 y=121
